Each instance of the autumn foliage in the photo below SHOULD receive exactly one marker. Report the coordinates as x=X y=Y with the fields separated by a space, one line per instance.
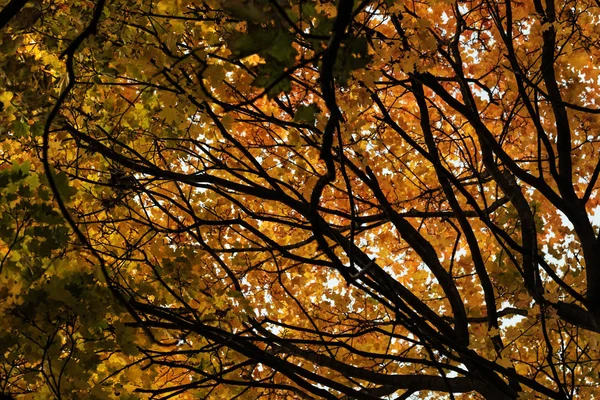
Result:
x=227 y=199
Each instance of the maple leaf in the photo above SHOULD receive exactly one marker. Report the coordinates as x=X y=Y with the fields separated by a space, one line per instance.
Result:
x=277 y=199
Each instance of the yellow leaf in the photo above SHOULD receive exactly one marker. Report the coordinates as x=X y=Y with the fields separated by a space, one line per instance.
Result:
x=5 y=98
x=504 y=362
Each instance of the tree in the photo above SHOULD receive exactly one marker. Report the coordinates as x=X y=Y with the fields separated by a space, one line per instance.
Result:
x=300 y=199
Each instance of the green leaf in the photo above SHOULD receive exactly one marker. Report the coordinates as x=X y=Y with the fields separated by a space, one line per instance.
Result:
x=126 y=338
x=307 y=114
x=62 y=184
x=244 y=44
x=20 y=170
x=354 y=55
x=275 y=44
x=269 y=74
x=282 y=50
x=322 y=27
x=246 y=11
x=359 y=46
x=4 y=179
x=37 y=129
x=20 y=128
x=308 y=9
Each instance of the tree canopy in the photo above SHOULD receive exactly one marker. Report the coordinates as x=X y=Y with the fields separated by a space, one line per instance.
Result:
x=226 y=199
